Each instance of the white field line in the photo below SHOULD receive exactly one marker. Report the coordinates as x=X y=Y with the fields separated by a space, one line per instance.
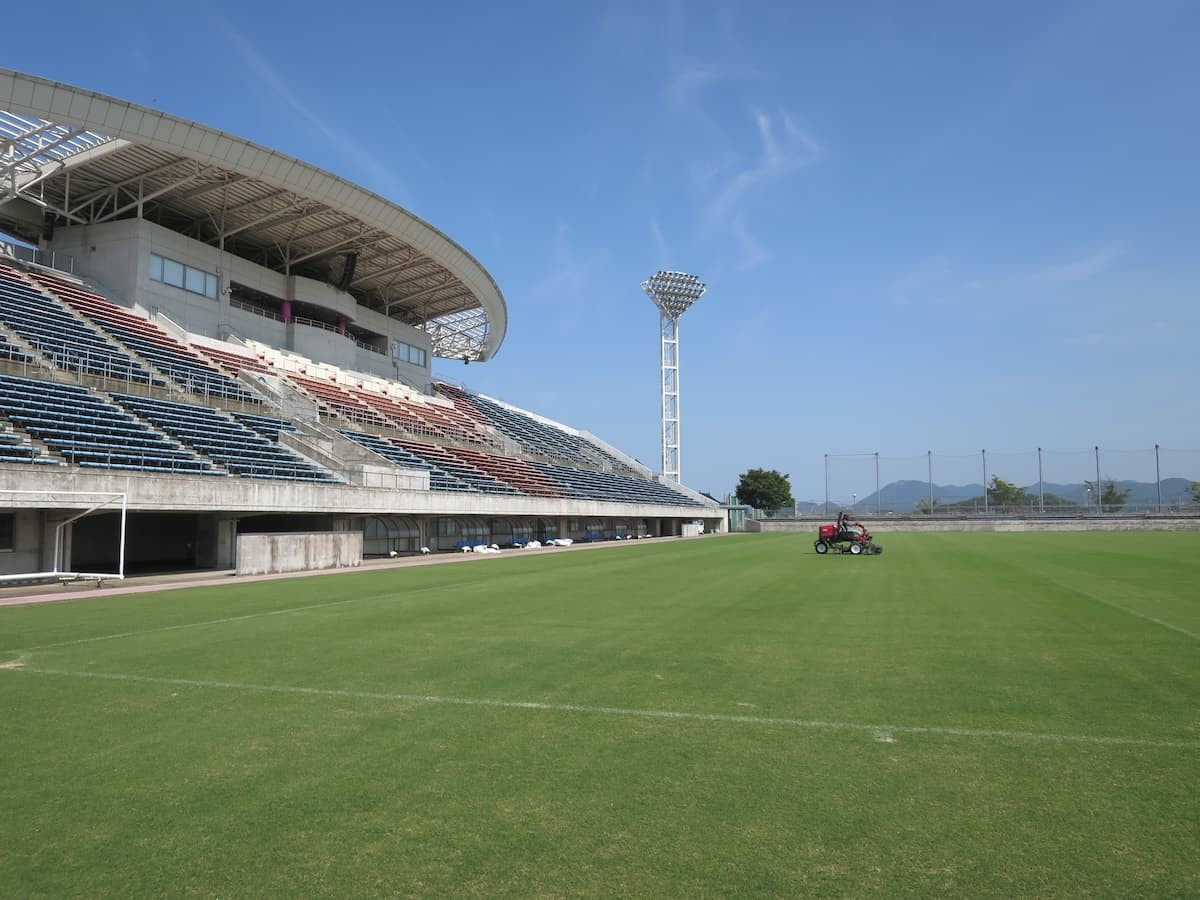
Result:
x=222 y=621
x=1138 y=615
x=889 y=731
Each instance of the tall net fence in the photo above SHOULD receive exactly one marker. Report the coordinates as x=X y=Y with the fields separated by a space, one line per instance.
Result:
x=1097 y=480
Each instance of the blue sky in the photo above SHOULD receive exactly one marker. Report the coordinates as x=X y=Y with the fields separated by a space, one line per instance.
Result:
x=944 y=226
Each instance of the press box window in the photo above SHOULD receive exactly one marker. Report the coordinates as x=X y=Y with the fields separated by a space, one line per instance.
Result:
x=407 y=353
x=176 y=274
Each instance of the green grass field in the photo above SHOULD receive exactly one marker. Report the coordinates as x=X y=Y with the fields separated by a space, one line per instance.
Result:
x=968 y=715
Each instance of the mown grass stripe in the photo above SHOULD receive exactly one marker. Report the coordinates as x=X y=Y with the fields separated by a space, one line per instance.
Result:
x=811 y=724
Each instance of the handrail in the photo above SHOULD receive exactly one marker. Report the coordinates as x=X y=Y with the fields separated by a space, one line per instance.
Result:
x=256 y=310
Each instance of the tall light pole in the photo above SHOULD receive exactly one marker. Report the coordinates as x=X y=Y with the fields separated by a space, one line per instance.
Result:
x=673 y=293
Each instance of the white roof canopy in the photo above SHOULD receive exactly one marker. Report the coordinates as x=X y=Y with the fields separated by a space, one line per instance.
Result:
x=88 y=158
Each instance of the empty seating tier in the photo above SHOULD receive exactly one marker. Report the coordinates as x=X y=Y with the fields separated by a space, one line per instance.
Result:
x=590 y=485
x=237 y=447
x=460 y=468
x=232 y=361
x=15 y=448
x=519 y=473
x=431 y=419
x=332 y=399
x=439 y=478
x=268 y=426
x=538 y=438
x=148 y=341
x=63 y=339
x=89 y=431
x=9 y=350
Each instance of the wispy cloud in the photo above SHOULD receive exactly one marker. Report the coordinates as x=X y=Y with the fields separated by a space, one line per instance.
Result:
x=1082 y=268
x=689 y=78
x=662 y=250
x=938 y=280
x=750 y=250
x=349 y=147
x=931 y=279
x=783 y=148
x=1128 y=336
x=567 y=286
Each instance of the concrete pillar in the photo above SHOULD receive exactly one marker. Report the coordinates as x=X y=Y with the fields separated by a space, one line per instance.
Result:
x=285 y=311
x=216 y=542
x=50 y=521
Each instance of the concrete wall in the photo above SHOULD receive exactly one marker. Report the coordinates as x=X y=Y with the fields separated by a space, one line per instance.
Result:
x=248 y=325
x=234 y=496
x=28 y=545
x=321 y=345
x=260 y=554
x=116 y=255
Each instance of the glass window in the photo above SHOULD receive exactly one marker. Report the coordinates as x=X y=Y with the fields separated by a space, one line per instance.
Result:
x=8 y=530
x=193 y=280
x=173 y=272
x=176 y=274
x=416 y=356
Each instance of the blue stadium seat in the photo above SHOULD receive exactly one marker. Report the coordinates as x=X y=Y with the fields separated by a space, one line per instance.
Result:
x=239 y=448
x=82 y=428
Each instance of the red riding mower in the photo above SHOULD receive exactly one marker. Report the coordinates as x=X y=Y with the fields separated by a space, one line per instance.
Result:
x=845 y=537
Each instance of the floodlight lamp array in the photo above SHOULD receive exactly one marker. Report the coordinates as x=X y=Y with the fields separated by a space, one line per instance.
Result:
x=673 y=292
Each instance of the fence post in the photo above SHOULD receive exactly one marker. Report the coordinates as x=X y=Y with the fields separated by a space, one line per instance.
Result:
x=1041 y=485
x=1157 y=479
x=929 y=460
x=878 y=501
x=826 y=485
x=983 y=453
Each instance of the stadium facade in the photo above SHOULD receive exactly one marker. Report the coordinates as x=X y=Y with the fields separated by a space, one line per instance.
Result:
x=239 y=342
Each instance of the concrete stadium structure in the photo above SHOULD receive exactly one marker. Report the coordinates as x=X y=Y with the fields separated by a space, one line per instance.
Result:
x=198 y=283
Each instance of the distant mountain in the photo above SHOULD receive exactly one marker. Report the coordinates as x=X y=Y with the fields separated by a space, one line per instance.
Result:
x=903 y=496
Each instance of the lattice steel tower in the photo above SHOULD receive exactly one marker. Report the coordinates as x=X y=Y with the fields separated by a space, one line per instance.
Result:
x=673 y=293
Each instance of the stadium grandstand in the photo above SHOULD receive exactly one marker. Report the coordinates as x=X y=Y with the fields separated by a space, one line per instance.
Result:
x=235 y=342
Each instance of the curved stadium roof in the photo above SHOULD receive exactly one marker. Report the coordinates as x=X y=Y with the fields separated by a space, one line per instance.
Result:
x=90 y=158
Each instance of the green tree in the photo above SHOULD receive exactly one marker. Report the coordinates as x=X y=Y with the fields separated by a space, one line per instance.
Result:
x=765 y=489
x=1196 y=491
x=925 y=508
x=1111 y=497
x=1001 y=493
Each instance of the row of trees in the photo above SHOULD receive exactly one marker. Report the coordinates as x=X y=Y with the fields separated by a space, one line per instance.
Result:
x=769 y=489
x=1001 y=493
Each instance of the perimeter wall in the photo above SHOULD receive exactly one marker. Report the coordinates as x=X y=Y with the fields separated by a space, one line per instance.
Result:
x=1095 y=523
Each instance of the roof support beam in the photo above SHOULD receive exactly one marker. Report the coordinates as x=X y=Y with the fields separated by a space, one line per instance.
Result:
x=211 y=186
x=38 y=149
x=142 y=199
x=111 y=190
x=357 y=243
x=411 y=262
x=419 y=294
x=293 y=260
x=258 y=202
x=275 y=218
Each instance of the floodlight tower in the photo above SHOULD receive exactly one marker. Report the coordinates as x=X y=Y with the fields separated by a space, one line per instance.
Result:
x=673 y=293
